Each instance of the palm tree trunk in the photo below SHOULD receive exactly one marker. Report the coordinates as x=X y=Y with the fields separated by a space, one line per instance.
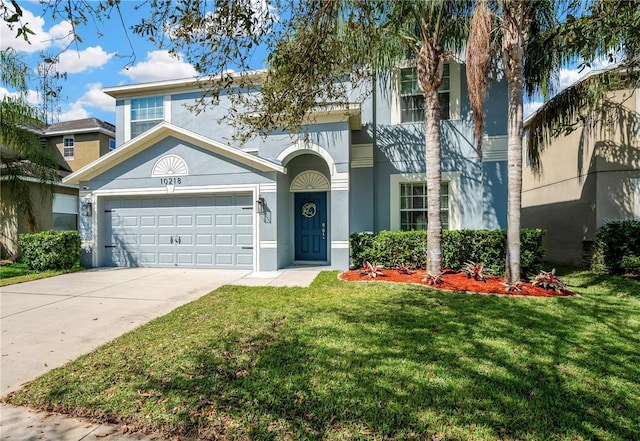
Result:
x=434 y=179
x=513 y=46
x=514 y=173
x=430 y=70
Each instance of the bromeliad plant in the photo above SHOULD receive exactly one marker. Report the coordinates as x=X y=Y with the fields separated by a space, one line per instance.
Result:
x=371 y=270
x=548 y=280
x=432 y=279
x=475 y=271
x=513 y=287
x=403 y=268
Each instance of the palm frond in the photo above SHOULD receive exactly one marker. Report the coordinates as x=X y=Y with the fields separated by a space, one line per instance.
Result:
x=478 y=65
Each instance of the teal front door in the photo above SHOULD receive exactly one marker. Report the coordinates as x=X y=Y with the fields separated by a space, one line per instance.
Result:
x=311 y=226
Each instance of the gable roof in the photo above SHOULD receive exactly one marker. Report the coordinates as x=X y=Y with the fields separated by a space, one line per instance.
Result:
x=80 y=125
x=158 y=133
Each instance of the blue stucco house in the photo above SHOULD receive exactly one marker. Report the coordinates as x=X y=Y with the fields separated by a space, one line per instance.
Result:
x=179 y=191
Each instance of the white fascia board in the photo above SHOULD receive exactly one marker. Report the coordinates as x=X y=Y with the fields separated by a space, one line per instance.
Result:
x=183 y=84
x=85 y=130
x=38 y=181
x=157 y=133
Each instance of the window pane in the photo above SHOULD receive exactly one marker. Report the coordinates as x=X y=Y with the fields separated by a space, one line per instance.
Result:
x=409 y=82
x=140 y=127
x=413 y=206
x=147 y=108
x=412 y=108
x=65 y=222
x=444 y=105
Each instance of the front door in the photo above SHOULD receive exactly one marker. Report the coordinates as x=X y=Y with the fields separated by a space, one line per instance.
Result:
x=311 y=226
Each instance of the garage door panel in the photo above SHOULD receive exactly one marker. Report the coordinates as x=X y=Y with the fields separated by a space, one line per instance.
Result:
x=148 y=258
x=148 y=221
x=204 y=220
x=224 y=239
x=184 y=220
x=185 y=258
x=148 y=239
x=204 y=239
x=166 y=221
x=166 y=258
x=224 y=220
x=204 y=231
x=244 y=259
x=204 y=259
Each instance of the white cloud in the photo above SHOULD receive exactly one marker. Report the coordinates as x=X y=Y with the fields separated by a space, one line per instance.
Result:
x=75 y=111
x=529 y=108
x=158 y=66
x=73 y=61
x=58 y=35
x=93 y=98
x=33 y=97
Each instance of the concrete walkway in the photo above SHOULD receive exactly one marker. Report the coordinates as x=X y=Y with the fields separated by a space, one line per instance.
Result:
x=47 y=322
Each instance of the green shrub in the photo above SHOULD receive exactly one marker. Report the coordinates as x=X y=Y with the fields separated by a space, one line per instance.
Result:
x=631 y=264
x=50 y=250
x=613 y=242
x=488 y=247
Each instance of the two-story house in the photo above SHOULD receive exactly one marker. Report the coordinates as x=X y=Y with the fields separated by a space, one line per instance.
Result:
x=589 y=177
x=74 y=144
x=179 y=191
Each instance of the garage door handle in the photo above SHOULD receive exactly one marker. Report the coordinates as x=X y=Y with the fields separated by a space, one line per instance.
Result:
x=247 y=248
x=171 y=239
x=179 y=241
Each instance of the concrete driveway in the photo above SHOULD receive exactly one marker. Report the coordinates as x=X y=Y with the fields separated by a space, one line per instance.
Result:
x=48 y=322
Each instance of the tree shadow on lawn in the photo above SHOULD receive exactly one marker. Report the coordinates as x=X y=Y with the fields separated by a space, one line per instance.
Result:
x=419 y=364
x=396 y=362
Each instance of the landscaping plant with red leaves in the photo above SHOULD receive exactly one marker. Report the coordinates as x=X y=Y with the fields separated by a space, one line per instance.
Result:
x=457 y=281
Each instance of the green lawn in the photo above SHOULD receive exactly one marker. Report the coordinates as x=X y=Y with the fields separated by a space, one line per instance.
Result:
x=345 y=360
x=18 y=272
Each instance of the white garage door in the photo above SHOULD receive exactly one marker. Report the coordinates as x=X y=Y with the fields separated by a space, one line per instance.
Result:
x=199 y=231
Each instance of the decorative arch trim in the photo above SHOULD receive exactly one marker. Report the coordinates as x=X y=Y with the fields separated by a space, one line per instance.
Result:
x=310 y=180
x=170 y=165
x=301 y=148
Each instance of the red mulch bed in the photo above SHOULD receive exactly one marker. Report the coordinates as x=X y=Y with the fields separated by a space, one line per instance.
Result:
x=455 y=281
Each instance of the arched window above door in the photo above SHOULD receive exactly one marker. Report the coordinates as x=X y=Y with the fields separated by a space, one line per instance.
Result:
x=310 y=180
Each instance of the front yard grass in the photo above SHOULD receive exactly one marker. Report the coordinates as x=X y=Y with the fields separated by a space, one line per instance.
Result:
x=364 y=361
x=18 y=272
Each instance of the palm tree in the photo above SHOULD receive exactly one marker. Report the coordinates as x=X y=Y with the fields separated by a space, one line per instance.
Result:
x=23 y=154
x=517 y=22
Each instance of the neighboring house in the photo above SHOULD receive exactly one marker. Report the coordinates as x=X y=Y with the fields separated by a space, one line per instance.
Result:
x=589 y=177
x=74 y=145
x=178 y=191
x=77 y=143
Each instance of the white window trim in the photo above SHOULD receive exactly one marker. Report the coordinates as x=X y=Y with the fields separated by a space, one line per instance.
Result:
x=74 y=147
x=454 y=93
x=166 y=113
x=453 y=178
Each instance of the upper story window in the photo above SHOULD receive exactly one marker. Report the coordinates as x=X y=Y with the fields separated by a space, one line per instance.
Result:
x=412 y=100
x=68 y=147
x=145 y=113
x=112 y=144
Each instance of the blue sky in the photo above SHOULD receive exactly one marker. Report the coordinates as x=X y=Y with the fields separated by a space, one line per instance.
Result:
x=100 y=60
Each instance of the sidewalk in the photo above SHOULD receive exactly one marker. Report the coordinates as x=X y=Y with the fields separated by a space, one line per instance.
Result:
x=47 y=322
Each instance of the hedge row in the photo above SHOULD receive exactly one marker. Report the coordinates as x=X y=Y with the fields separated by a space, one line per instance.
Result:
x=617 y=248
x=50 y=250
x=393 y=248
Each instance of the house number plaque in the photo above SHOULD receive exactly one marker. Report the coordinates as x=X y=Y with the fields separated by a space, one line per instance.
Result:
x=170 y=181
